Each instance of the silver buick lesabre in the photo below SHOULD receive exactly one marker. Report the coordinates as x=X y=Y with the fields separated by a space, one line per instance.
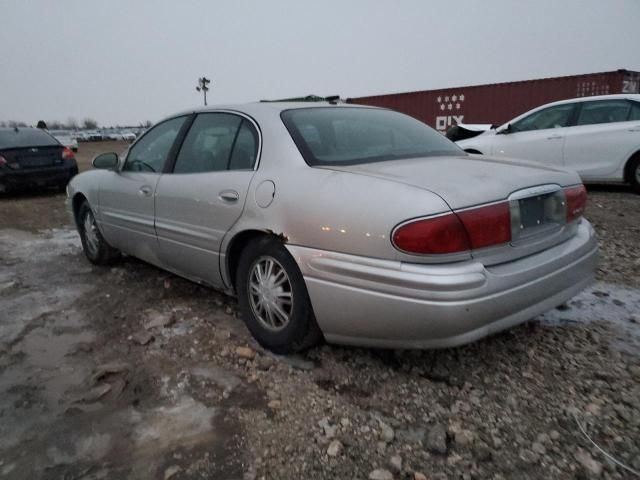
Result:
x=360 y=225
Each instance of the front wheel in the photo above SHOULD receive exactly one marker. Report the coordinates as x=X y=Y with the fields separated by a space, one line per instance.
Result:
x=634 y=174
x=95 y=247
x=273 y=298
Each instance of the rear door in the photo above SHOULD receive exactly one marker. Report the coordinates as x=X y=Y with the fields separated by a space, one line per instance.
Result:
x=205 y=194
x=606 y=133
x=127 y=196
x=538 y=136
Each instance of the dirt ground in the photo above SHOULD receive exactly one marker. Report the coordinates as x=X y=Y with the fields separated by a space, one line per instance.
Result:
x=131 y=372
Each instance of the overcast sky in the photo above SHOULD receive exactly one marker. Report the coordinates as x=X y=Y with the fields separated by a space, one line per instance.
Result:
x=132 y=60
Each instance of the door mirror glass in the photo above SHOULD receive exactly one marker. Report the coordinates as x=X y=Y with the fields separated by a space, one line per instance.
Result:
x=106 y=161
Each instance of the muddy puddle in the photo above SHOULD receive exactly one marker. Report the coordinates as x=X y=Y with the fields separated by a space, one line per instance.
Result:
x=615 y=305
x=81 y=398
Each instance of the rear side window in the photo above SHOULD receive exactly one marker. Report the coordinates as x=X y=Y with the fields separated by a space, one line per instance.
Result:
x=634 y=115
x=553 y=117
x=245 y=149
x=25 y=137
x=350 y=136
x=606 y=111
x=218 y=142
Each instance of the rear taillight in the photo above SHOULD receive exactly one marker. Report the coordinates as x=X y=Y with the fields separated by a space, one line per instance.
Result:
x=576 y=202
x=456 y=232
x=486 y=226
x=67 y=154
x=435 y=235
x=3 y=161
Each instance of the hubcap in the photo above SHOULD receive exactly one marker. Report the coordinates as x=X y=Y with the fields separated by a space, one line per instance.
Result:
x=91 y=233
x=270 y=293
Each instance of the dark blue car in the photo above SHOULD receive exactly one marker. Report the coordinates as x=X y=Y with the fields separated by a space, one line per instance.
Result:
x=31 y=157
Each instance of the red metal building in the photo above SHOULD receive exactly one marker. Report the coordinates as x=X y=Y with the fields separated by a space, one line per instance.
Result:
x=499 y=102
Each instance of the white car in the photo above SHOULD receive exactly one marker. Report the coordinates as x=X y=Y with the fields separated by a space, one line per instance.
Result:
x=128 y=136
x=66 y=139
x=599 y=137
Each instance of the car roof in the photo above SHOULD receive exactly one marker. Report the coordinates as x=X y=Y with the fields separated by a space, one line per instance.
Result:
x=620 y=96
x=264 y=107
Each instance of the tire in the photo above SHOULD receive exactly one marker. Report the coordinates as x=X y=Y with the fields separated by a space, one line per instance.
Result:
x=95 y=247
x=278 y=325
x=634 y=173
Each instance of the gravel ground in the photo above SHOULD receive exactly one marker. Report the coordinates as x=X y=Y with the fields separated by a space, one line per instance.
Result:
x=131 y=372
x=615 y=215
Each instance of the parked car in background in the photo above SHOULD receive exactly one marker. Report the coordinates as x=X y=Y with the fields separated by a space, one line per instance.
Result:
x=111 y=135
x=599 y=137
x=32 y=157
x=360 y=224
x=81 y=136
x=128 y=136
x=94 y=136
x=66 y=138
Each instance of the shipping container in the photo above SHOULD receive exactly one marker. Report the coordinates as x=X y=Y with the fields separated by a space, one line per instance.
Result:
x=499 y=102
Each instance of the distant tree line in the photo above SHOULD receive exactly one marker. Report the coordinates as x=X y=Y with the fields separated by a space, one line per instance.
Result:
x=70 y=124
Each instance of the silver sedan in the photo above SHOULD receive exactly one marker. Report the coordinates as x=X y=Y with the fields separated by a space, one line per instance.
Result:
x=360 y=225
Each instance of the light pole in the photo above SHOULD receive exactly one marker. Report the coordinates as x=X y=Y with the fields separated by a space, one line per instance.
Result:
x=202 y=87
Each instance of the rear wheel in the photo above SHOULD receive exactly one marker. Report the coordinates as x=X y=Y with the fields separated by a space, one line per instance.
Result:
x=95 y=247
x=273 y=298
x=634 y=173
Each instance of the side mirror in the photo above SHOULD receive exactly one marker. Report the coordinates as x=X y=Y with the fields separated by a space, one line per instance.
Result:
x=106 y=161
x=504 y=130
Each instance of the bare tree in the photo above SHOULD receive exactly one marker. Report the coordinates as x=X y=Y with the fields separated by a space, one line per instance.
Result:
x=14 y=124
x=89 y=123
x=72 y=124
x=147 y=124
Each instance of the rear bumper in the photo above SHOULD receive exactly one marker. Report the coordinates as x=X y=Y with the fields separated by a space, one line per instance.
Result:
x=381 y=303
x=32 y=177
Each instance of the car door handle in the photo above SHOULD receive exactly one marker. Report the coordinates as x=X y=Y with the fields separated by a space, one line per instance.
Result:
x=144 y=191
x=229 y=196
x=634 y=129
x=554 y=137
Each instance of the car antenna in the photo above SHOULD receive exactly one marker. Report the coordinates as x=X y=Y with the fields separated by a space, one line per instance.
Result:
x=15 y=129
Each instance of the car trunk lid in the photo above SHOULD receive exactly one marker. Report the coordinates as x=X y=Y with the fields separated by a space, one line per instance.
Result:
x=465 y=181
x=33 y=157
x=534 y=194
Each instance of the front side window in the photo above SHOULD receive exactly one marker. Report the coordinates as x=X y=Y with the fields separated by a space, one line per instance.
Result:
x=553 y=117
x=150 y=153
x=350 y=136
x=606 y=111
x=217 y=142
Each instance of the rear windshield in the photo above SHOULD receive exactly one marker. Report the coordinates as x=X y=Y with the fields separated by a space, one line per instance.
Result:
x=25 y=137
x=350 y=136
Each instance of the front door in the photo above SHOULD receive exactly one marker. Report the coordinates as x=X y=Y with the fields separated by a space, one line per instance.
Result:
x=127 y=198
x=204 y=195
x=538 y=137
